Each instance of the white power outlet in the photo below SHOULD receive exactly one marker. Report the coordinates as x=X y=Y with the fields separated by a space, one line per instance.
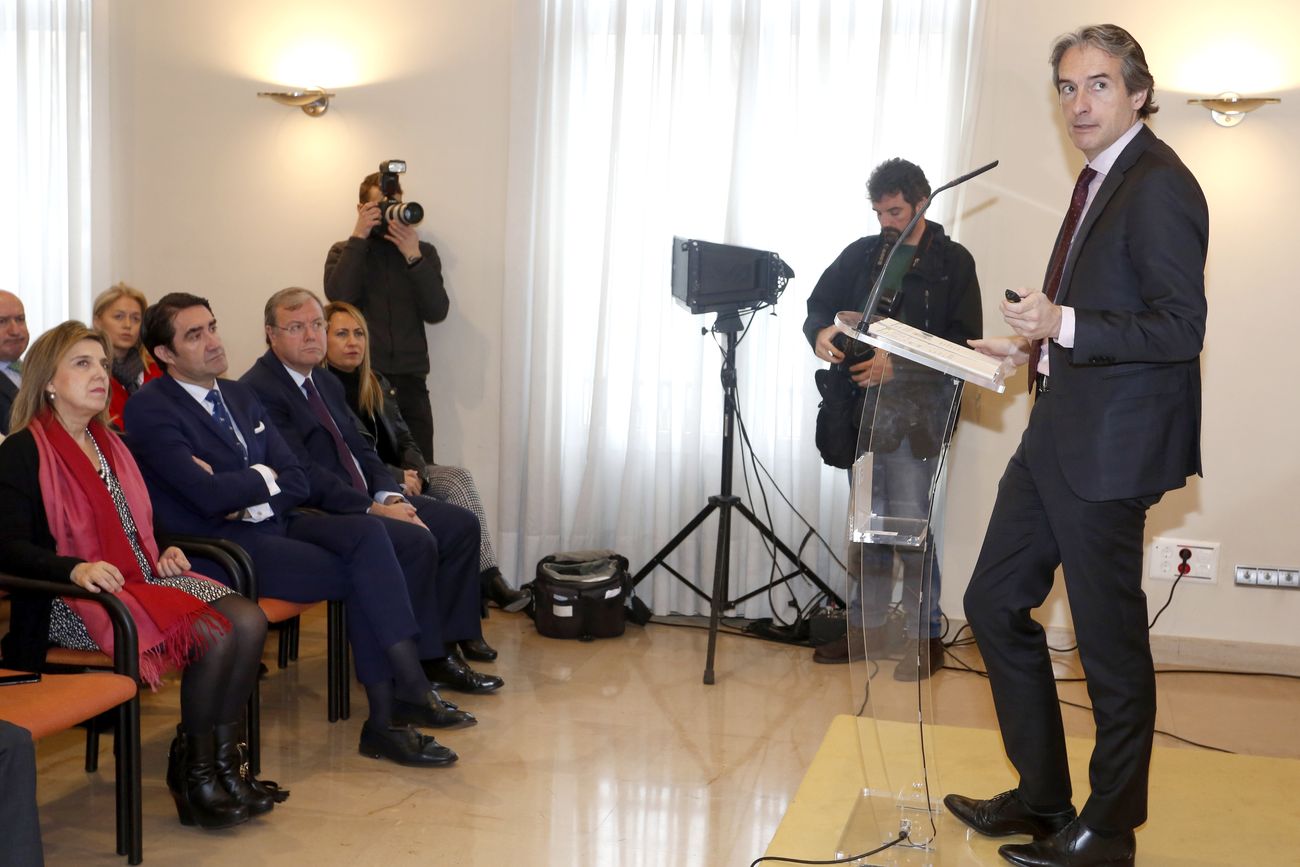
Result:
x=1163 y=564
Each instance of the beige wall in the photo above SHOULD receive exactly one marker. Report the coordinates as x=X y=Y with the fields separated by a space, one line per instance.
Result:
x=1246 y=500
x=218 y=192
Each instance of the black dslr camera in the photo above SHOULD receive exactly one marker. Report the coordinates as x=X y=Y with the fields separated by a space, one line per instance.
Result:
x=391 y=209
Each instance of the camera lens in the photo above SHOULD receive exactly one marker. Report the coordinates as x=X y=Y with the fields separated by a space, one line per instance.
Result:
x=406 y=213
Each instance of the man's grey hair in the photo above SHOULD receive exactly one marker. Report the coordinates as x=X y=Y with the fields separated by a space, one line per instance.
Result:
x=287 y=299
x=1118 y=43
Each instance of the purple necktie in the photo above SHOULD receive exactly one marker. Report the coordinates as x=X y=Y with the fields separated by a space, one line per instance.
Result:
x=323 y=416
x=1053 y=284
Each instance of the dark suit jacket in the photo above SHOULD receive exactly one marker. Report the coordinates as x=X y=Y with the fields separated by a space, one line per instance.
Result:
x=8 y=391
x=1126 y=400
x=331 y=485
x=168 y=427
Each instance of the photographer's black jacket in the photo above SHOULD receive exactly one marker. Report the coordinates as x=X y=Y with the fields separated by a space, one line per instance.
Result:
x=397 y=300
x=941 y=293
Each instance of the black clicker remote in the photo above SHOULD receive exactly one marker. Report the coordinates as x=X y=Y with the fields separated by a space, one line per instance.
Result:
x=1013 y=297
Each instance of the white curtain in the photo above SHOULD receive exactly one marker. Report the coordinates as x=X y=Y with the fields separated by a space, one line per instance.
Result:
x=748 y=122
x=45 y=154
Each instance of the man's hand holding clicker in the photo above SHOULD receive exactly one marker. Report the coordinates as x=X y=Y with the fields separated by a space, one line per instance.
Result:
x=1033 y=316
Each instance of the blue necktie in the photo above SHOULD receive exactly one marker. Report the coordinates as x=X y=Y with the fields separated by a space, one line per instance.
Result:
x=223 y=418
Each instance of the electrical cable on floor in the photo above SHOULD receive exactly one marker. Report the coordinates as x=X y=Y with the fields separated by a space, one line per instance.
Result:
x=964 y=667
x=848 y=860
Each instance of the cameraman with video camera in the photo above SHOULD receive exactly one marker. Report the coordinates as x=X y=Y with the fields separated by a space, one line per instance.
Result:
x=393 y=277
x=930 y=284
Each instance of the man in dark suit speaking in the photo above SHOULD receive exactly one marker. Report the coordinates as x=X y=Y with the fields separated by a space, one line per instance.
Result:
x=1113 y=343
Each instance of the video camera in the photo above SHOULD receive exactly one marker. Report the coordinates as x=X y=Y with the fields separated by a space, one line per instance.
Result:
x=391 y=208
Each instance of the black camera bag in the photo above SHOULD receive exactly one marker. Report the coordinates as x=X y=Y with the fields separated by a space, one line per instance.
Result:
x=581 y=594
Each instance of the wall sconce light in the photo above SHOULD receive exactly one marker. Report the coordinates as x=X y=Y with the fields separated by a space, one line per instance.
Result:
x=313 y=102
x=1230 y=109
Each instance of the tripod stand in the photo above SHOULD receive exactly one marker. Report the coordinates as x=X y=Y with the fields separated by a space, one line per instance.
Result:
x=728 y=324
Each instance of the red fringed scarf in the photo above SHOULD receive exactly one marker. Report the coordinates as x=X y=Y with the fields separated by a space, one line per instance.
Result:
x=85 y=524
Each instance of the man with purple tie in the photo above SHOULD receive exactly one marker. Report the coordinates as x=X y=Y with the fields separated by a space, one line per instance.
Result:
x=1113 y=343
x=436 y=542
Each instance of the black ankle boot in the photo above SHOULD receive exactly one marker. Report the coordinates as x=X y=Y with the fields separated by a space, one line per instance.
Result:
x=501 y=594
x=233 y=774
x=192 y=779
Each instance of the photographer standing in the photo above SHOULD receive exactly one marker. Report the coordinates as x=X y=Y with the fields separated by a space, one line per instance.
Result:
x=396 y=280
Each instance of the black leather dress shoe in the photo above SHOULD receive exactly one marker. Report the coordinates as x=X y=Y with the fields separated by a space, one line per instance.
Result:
x=1005 y=814
x=433 y=713
x=502 y=595
x=404 y=746
x=1075 y=845
x=478 y=650
x=451 y=672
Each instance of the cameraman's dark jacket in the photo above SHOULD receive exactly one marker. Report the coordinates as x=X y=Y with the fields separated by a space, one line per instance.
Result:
x=397 y=300
x=940 y=295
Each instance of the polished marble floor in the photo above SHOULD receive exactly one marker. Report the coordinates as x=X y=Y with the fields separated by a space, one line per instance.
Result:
x=604 y=753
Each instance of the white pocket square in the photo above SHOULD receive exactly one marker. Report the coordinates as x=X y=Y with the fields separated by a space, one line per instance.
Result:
x=261 y=426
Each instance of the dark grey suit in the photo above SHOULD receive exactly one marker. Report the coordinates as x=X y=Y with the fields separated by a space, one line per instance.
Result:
x=1119 y=427
x=8 y=391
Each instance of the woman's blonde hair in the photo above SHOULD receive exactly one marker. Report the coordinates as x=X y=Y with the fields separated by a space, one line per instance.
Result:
x=39 y=366
x=108 y=298
x=370 y=397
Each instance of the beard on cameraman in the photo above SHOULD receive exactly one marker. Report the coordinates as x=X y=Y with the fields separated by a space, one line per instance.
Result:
x=396 y=280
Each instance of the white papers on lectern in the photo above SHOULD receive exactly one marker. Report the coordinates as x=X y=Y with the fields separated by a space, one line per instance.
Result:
x=928 y=350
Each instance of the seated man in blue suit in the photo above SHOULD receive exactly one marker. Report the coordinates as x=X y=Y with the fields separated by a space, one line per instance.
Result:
x=437 y=543
x=216 y=466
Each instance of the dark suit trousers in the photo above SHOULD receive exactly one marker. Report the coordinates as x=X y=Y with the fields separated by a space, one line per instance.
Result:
x=20 y=828
x=441 y=570
x=344 y=557
x=1038 y=523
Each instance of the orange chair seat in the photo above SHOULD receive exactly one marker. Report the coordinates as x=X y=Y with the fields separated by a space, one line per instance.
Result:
x=279 y=610
x=60 y=701
x=85 y=658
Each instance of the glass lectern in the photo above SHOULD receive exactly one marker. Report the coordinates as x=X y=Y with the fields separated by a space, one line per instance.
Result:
x=906 y=426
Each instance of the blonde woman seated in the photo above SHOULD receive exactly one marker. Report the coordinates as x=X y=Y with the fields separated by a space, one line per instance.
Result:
x=373 y=400
x=118 y=312
x=73 y=508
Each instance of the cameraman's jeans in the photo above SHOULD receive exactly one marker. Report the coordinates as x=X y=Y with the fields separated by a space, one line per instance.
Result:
x=900 y=485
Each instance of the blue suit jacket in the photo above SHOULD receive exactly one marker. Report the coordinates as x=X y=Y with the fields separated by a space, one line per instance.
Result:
x=168 y=428
x=331 y=484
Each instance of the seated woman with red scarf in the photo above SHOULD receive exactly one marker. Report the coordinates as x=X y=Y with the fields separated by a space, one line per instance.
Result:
x=73 y=508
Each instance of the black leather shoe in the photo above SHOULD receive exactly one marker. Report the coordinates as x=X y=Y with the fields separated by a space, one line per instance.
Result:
x=1075 y=845
x=502 y=595
x=478 y=650
x=403 y=745
x=1005 y=814
x=451 y=672
x=434 y=713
